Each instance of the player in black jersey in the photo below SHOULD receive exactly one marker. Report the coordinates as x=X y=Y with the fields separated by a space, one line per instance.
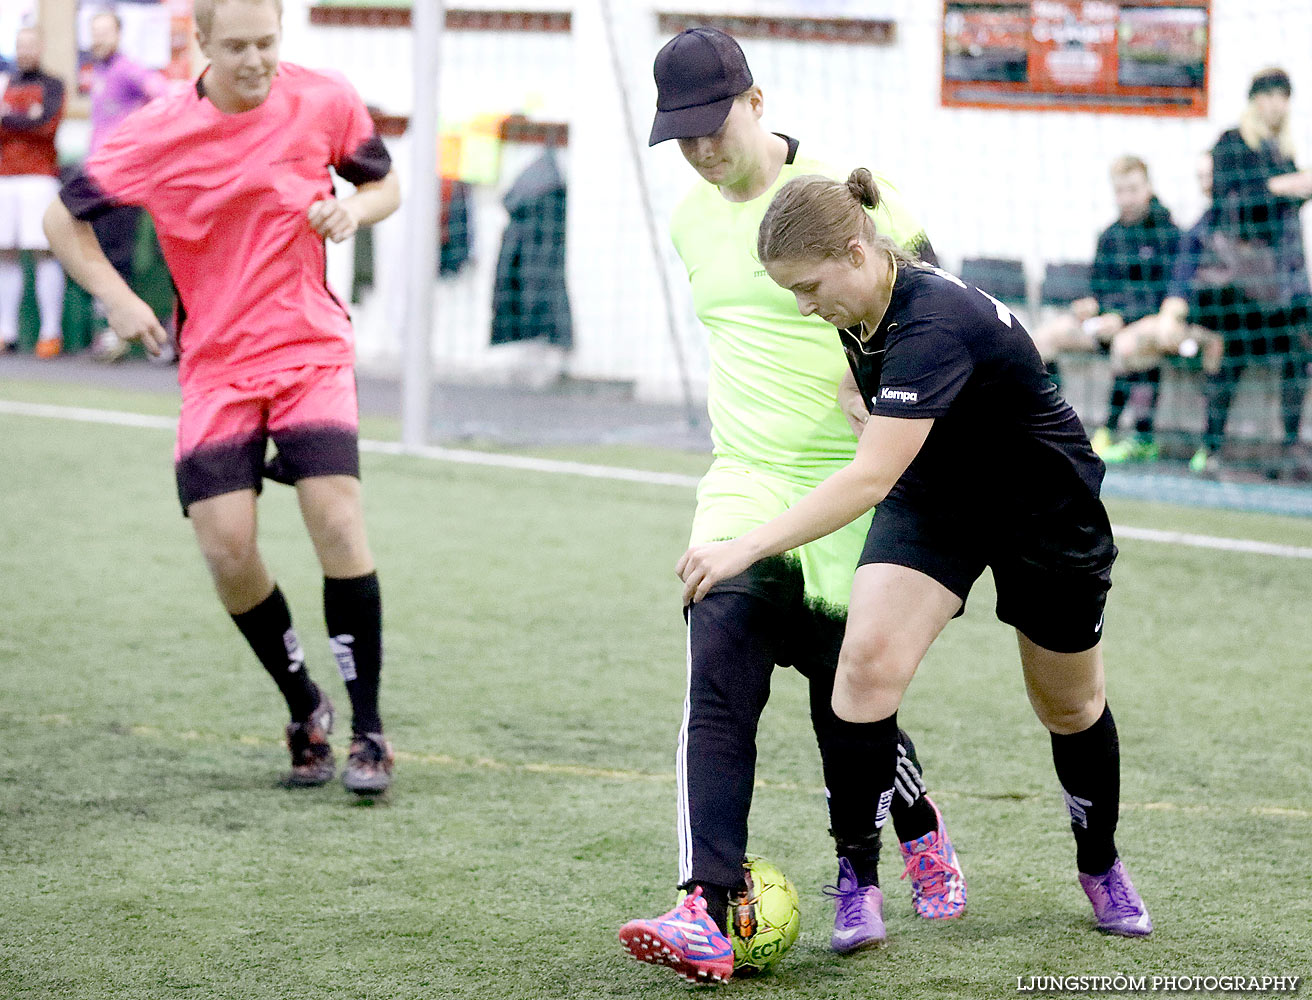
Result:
x=975 y=461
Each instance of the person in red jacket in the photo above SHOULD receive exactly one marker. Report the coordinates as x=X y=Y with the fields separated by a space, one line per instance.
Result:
x=30 y=111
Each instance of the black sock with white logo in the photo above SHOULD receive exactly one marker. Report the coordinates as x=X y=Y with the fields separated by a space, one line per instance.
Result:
x=1089 y=769
x=913 y=816
x=353 y=612
x=855 y=821
x=268 y=629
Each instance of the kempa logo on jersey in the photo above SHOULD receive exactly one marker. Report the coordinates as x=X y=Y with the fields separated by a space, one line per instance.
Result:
x=901 y=395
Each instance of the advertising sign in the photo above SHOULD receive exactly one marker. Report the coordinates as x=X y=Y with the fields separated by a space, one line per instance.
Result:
x=1128 y=57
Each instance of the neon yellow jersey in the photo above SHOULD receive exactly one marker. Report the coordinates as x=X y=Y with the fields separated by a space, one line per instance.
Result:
x=776 y=426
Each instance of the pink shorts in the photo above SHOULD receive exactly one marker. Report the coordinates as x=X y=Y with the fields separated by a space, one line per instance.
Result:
x=311 y=414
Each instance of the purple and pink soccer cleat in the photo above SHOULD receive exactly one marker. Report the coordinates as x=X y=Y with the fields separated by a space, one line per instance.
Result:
x=686 y=939
x=938 y=886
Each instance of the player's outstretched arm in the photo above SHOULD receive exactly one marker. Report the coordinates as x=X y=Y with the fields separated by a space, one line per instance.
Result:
x=74 y=243
x=372 y=202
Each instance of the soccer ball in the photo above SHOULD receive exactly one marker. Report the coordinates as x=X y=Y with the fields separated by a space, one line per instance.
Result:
x=765 y=920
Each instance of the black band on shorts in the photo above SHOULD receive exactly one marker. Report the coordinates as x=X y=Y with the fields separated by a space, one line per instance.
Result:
x=214 y=469
x=776 y=579
x=324 y=450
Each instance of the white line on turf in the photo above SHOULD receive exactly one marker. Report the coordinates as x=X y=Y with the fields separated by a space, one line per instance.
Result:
x=553 y=466
x=1213 y=542
x=442 y=760
x=86 y=415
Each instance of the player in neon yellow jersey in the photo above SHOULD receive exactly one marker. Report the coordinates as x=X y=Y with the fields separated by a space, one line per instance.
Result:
x=779 y=429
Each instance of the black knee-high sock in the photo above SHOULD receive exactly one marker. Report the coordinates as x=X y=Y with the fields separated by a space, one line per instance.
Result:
x=913 y=816
x=268 y=629
x=1116 y=400
x=1089 y=769
x=1293 y=387
x=856 y=822
x=353 y=611
x=1147 y=418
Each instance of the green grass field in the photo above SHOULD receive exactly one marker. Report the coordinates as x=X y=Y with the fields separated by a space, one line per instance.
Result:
x=533 y=689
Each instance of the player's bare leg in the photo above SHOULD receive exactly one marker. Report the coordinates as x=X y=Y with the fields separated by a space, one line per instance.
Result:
x=895 y=614
x=1068 y=694
x=226 y=528
x=333 y=512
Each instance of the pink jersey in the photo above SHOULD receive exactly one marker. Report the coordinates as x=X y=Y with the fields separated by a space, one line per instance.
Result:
x=229 y=195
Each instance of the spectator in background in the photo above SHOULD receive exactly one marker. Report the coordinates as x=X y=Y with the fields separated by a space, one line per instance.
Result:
x=1131 y=270
x=30 y=111
x=1179 y=327
x=118 y=87
x=1257 y=194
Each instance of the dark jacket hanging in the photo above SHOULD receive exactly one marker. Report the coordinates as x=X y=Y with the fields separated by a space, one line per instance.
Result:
x=455 y=227
x=529 y=297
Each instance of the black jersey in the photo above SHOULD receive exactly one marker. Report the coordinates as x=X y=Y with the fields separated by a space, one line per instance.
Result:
x=1005 y=445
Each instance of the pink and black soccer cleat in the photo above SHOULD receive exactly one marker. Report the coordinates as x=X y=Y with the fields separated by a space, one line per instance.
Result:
x=686 y=939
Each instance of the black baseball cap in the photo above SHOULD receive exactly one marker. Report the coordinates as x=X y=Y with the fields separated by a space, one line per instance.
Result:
x=1270 y=80
x=698 y=74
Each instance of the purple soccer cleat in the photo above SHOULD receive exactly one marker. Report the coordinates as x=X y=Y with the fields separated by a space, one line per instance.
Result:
x=858 y=912
x=1117 y=907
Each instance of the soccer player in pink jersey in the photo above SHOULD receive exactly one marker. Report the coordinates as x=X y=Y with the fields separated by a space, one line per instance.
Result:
x=235 y=174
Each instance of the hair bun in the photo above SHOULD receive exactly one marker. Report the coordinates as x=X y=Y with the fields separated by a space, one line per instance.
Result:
x=862 y=187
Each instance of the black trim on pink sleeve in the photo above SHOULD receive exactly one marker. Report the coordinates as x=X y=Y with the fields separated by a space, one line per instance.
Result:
x=369 y=162
x=84 y=198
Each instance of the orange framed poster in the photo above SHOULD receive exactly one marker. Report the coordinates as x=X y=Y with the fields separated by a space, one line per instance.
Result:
x=1111 y=56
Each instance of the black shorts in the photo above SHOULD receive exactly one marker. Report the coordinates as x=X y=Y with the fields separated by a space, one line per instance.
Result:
x=1052 y=576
